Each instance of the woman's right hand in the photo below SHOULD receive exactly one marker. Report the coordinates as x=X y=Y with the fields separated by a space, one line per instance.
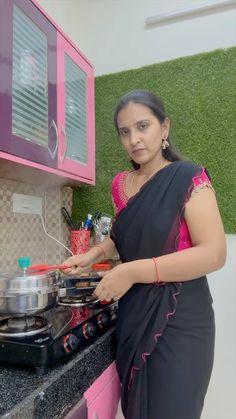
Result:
x=83 y=262
x=78 y=264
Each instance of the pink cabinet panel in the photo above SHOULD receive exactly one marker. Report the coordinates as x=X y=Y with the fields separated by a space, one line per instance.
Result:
x=75 y=111
x=103 y=396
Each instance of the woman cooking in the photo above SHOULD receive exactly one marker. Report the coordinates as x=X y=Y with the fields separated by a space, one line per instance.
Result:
x=169 y=235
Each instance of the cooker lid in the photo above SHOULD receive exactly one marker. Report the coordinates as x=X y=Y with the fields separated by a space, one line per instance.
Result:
x=19 y=282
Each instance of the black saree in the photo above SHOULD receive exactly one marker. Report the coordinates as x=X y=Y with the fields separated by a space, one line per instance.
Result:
x=165 y=332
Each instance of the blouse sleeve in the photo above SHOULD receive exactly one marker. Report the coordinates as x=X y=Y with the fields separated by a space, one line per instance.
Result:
x=198 y=182
x=201 y=181
x=117 y=191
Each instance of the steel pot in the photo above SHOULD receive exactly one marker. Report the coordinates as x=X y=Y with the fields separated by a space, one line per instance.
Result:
x=28 y=294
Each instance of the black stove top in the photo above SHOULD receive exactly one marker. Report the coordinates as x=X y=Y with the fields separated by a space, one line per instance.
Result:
x=53 y=335
x=79 y=300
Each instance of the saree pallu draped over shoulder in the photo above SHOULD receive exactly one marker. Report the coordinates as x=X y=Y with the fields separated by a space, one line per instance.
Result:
x=152 y=319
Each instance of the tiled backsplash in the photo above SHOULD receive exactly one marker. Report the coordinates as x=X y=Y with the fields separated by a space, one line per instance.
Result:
x=23 y=234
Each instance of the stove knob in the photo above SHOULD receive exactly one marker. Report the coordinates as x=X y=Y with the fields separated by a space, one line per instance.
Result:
x=88 y=330
x=71 y=343
x=103 y=320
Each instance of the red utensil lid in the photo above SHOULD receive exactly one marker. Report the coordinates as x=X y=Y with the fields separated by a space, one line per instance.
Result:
x=101 y=266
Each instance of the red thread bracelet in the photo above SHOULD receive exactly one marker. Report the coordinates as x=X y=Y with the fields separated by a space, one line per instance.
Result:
x=157 y=270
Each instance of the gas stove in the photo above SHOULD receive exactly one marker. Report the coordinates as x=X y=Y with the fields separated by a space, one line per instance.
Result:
x=39 y=341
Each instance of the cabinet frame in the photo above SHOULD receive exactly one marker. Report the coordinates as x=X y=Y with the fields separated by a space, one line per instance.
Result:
x=11 y=143
x=65 y=163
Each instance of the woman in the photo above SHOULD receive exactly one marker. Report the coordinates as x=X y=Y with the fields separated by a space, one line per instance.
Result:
x=169 y=235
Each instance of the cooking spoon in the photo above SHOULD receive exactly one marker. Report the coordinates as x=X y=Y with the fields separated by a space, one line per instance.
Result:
x=46 y=268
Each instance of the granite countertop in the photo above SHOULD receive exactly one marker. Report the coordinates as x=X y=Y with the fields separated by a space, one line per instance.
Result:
x=26 y=395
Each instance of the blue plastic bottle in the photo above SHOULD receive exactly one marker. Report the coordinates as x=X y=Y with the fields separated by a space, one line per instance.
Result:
x=88 y=223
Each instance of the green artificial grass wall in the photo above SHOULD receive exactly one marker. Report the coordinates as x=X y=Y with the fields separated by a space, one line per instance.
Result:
x=199 y=93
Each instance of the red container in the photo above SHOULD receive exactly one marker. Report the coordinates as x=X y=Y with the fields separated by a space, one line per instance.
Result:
x=79 y=241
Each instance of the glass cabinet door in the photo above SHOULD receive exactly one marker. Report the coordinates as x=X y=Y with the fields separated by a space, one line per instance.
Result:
x=75 y=112
x=28 y=94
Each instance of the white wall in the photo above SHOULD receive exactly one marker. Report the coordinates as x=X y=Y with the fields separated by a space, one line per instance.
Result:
x=221 y=397
x=113 y=35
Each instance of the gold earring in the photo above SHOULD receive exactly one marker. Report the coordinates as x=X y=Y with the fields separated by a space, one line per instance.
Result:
x=165 y=144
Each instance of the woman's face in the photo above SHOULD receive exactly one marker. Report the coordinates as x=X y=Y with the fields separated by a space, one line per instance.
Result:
x=141 y=133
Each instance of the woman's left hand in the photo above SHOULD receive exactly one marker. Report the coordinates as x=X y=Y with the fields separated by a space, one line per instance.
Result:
x=114 y=284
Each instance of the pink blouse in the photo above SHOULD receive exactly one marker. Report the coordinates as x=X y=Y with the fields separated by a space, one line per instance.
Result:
x=120 y=200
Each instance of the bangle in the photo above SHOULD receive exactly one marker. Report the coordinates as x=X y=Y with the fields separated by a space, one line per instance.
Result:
x=156 y=270
x=103 y=251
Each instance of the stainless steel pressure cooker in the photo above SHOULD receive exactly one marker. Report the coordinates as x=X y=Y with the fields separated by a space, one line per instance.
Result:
x=28 y=294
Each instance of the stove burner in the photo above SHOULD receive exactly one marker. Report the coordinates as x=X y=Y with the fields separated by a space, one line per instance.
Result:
x=23 y=326
x=78 y=300
x=21 y=322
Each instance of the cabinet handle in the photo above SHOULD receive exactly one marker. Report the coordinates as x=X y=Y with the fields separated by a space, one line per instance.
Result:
x=53 y=153
x=66 y=144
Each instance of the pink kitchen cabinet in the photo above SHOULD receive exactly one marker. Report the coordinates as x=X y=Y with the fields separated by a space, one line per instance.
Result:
x=28 y=83
x=103 y=396
x=46 y=96
x=75 y=88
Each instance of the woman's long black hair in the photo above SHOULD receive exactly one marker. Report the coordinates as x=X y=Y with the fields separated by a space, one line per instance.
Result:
x=156 y=106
